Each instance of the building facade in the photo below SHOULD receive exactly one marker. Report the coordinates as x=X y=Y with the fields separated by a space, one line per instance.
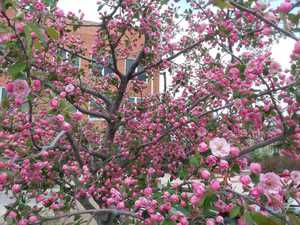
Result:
x=87 y=35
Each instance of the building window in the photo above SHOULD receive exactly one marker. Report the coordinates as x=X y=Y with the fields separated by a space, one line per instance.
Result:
x=135 y=100
x=95 y=107
x=69 y=57
x=3 y=94
x=99 y=68
x=128 y=64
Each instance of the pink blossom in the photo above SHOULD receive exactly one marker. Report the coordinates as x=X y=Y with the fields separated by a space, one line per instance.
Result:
x=194 y=200
x=33 y=219
x=66 y=126
x=12 y=215
x=203 y=147
x=23 y=222
x=69 y=88
x=9 y=87
x=297 y=48
x=223 y=164
x=60 y=118
x=267 y=31
x=77 y=116
x=39 y=6
x=219 y=147
x=211 y=160
x=148 y=191
x=20 y=89
x=205 y=174
x=285 y=7
x=3 y=178
x=234 y=151
x=198 y=189
x=20 y=27
x=270 y=183
x=37 y=85
x=245 y=180
x=255 y=168
x=174 y=198
x=210 y=221
x=215 y=185
x=53 y=103
x=63 y=94
x=295 y=175
x=219 y=219
x=16 y=188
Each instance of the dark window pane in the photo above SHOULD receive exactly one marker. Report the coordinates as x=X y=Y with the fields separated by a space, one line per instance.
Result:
x=75 y=60
x=129 y=63
x=142 y=76
x=103 y=71
x=107 y=70
x=131 y=99
x=62 y=53
x=3 y=94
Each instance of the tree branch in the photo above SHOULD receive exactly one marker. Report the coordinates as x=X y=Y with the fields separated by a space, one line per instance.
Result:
x=89 y=211
x=54 y=142
x=261 y=17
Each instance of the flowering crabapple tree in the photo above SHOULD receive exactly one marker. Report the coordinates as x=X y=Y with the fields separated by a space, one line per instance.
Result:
x=227 y=98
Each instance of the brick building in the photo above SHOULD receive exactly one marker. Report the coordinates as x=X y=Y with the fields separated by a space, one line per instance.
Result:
x=87 y=35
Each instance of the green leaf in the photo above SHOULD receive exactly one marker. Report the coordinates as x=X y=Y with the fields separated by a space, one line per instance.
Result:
x=293 y=18
x=16 y=70
x=50 y=3
x=7 y=3
x=36 y=29
x=297 y=94
x=235 y=168
x=183 y=173
x=235 y=212
x=195 y=159
x=52 y=33
x=177 y=207
x=28 y=39
x=222 y=4
x=294 y=219
x=207 y=204
x=254 y=178
x=248 y=218
x=260 y=219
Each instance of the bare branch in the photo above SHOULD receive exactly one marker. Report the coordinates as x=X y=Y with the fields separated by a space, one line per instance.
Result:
x=169 y=58
x=85 y=89
x=75 y=149
x=54 y=142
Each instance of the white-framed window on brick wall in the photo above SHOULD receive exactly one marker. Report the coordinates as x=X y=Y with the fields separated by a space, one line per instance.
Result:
x=135 y=100
x=3 y=94
x=128 y=64
x=69 y=57
x=98 y=68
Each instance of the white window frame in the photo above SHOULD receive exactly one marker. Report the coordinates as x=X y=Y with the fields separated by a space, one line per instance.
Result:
x=68 y=57
x=136 y=69
x=102 y=70
x=135 y=99
x=1 y=93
